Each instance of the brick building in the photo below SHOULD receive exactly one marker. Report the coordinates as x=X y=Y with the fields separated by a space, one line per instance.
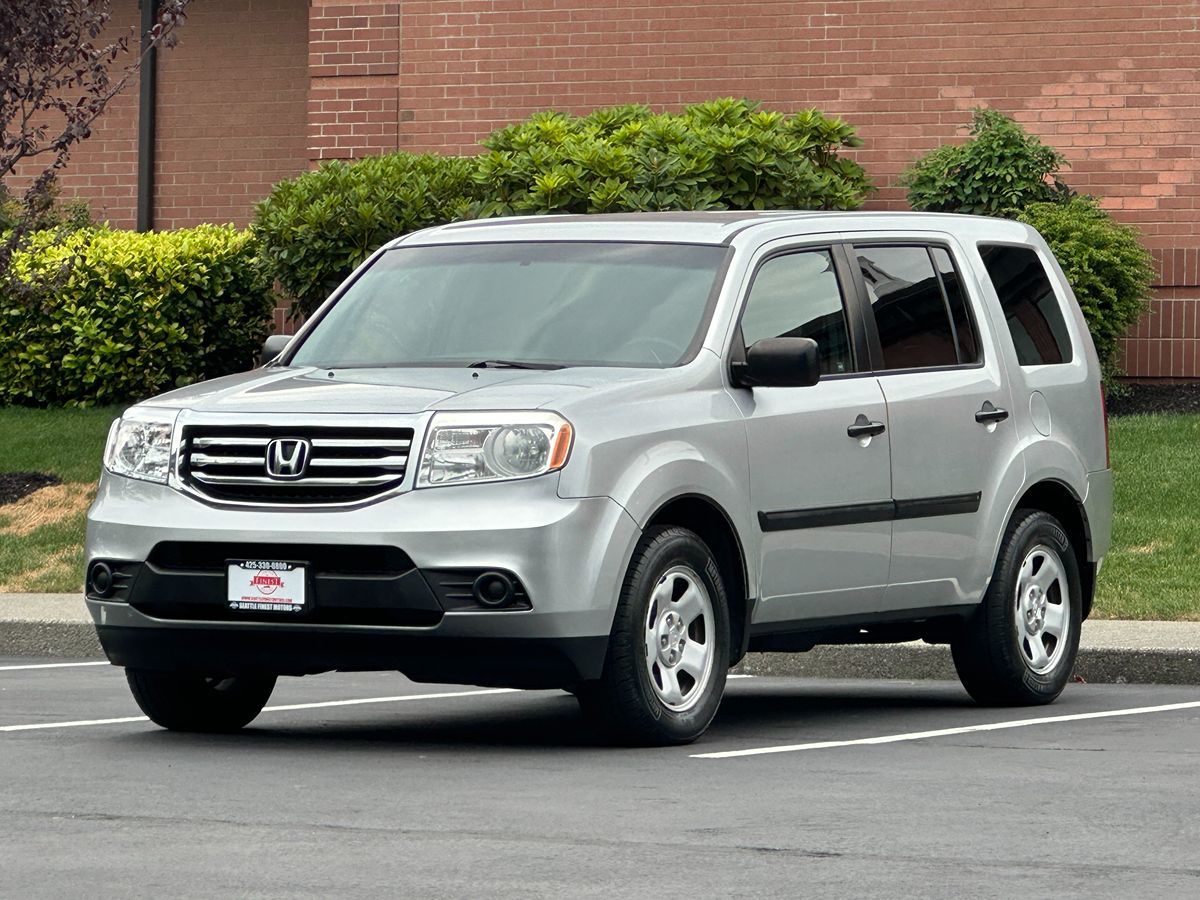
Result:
x=258 y=90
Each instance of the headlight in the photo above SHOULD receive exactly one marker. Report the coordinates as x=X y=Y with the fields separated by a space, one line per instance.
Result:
x=139 y=444
x=473 y=447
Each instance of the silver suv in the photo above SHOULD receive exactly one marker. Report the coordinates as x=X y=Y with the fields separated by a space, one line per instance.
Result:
x=612 y=454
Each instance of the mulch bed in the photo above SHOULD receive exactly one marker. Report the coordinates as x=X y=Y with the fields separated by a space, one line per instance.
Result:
x=1183 y=397
x=15 y=485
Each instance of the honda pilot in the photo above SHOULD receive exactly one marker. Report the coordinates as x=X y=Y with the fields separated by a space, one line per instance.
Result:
x=612 y=455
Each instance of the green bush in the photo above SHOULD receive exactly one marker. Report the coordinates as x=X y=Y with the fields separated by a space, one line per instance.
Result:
x=1005 y=171
x=1001 y=168
x=1108 y=268
x=109 y=316
x=724 y=154
x=315 y=229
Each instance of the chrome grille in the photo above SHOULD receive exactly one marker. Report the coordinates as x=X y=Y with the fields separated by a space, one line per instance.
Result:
x=344 y=465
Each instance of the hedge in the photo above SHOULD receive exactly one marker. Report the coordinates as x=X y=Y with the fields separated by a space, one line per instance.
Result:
x=1005 y=171
x=724 y=154
x=1002 y=167
x=315 y=229
x=108 y=316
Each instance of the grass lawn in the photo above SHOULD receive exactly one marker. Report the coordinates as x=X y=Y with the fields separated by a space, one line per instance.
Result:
x=41 y=536
x=1149 y=573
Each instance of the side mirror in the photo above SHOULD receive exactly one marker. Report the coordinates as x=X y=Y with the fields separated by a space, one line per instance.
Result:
x=780 y=362
x=273 y=346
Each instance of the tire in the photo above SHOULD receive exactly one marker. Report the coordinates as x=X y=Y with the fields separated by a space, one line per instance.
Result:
x=186 y=702
x=672 y=602
x=1019 y=647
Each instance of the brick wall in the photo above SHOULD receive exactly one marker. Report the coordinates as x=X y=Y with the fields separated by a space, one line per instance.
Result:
x=353 y=61
x=231 y=114
x=1112 y=83
x=231 y=117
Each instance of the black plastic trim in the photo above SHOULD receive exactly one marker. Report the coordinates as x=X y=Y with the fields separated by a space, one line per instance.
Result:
x=848 y=629
x=347 y=584
x=827 y=516
x=863 y=513
x=503 y=662
x=949 y=505
x=455 y=590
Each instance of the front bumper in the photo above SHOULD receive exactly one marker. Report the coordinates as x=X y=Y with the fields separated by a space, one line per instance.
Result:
x=569 y=555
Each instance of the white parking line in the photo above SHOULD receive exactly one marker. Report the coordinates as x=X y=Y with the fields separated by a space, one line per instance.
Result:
x=39 y=726
x=945 y=732
x=443 y=696
x=103 y=662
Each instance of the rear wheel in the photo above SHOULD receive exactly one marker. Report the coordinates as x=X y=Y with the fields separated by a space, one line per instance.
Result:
x=668 y=653
x=1019 y=648
x=186 y=702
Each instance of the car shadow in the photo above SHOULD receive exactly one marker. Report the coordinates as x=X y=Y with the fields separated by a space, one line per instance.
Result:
x=551 y=720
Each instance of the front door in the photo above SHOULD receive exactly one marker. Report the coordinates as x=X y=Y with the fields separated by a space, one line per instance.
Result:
x=819 y=458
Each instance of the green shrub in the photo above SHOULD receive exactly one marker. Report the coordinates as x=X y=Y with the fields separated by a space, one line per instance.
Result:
x=1108 y=268
x=724 y=154
x=315 y=229
x=111 y=316
x=1005 y=171
x=1001 y=168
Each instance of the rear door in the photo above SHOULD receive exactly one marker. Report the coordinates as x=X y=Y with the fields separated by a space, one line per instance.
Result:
x=822 y=495
x=954 y=447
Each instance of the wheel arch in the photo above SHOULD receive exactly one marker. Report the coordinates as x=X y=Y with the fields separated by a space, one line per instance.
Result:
x=1060 y=500
x=704 y=516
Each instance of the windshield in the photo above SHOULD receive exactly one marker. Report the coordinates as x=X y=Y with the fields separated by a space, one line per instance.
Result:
x=524 y=304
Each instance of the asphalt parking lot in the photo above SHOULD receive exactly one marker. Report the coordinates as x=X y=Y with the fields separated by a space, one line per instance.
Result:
x=443 y=791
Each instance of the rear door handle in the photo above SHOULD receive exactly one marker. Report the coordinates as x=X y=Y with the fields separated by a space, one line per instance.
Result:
x=864 y=427
x=990 y=413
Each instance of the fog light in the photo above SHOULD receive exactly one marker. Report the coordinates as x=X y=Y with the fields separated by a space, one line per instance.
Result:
x=493 y=589
x=101 y=578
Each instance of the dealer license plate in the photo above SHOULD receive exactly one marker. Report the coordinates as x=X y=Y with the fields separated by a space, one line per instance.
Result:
x=264 y=585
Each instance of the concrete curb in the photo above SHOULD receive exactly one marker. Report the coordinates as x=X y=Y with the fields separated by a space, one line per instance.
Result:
x=1111 y=652
x=47 y=625
x=920 y=662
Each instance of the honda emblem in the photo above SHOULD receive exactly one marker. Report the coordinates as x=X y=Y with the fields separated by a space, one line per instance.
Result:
x=288 y=457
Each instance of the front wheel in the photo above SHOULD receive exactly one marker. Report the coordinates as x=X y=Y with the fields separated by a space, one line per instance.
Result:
x=1019 y=648
x=668 y=653
x=186 y=702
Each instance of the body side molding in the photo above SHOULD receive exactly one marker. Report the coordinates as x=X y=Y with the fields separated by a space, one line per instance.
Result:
x=861 y=513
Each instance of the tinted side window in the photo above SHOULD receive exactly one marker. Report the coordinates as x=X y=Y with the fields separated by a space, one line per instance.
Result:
x=798 y=295
x=956 y=297
x=1031 y=309
x=910 y=311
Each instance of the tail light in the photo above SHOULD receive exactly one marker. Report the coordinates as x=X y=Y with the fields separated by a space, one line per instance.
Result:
x=1104 y=415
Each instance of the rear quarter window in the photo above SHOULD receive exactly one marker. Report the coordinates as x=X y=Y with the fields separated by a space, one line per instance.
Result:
x=1031 y=308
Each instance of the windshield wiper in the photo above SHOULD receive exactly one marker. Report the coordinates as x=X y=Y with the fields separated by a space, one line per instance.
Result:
x=512 y=364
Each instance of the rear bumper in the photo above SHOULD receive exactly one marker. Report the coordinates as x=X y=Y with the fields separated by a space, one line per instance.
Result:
x=215 y=650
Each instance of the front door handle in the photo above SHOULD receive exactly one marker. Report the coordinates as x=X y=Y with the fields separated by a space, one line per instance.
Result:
x=864 y=427
x=989 y=414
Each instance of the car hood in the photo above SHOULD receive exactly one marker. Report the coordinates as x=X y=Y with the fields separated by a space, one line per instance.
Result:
x=394 y=390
